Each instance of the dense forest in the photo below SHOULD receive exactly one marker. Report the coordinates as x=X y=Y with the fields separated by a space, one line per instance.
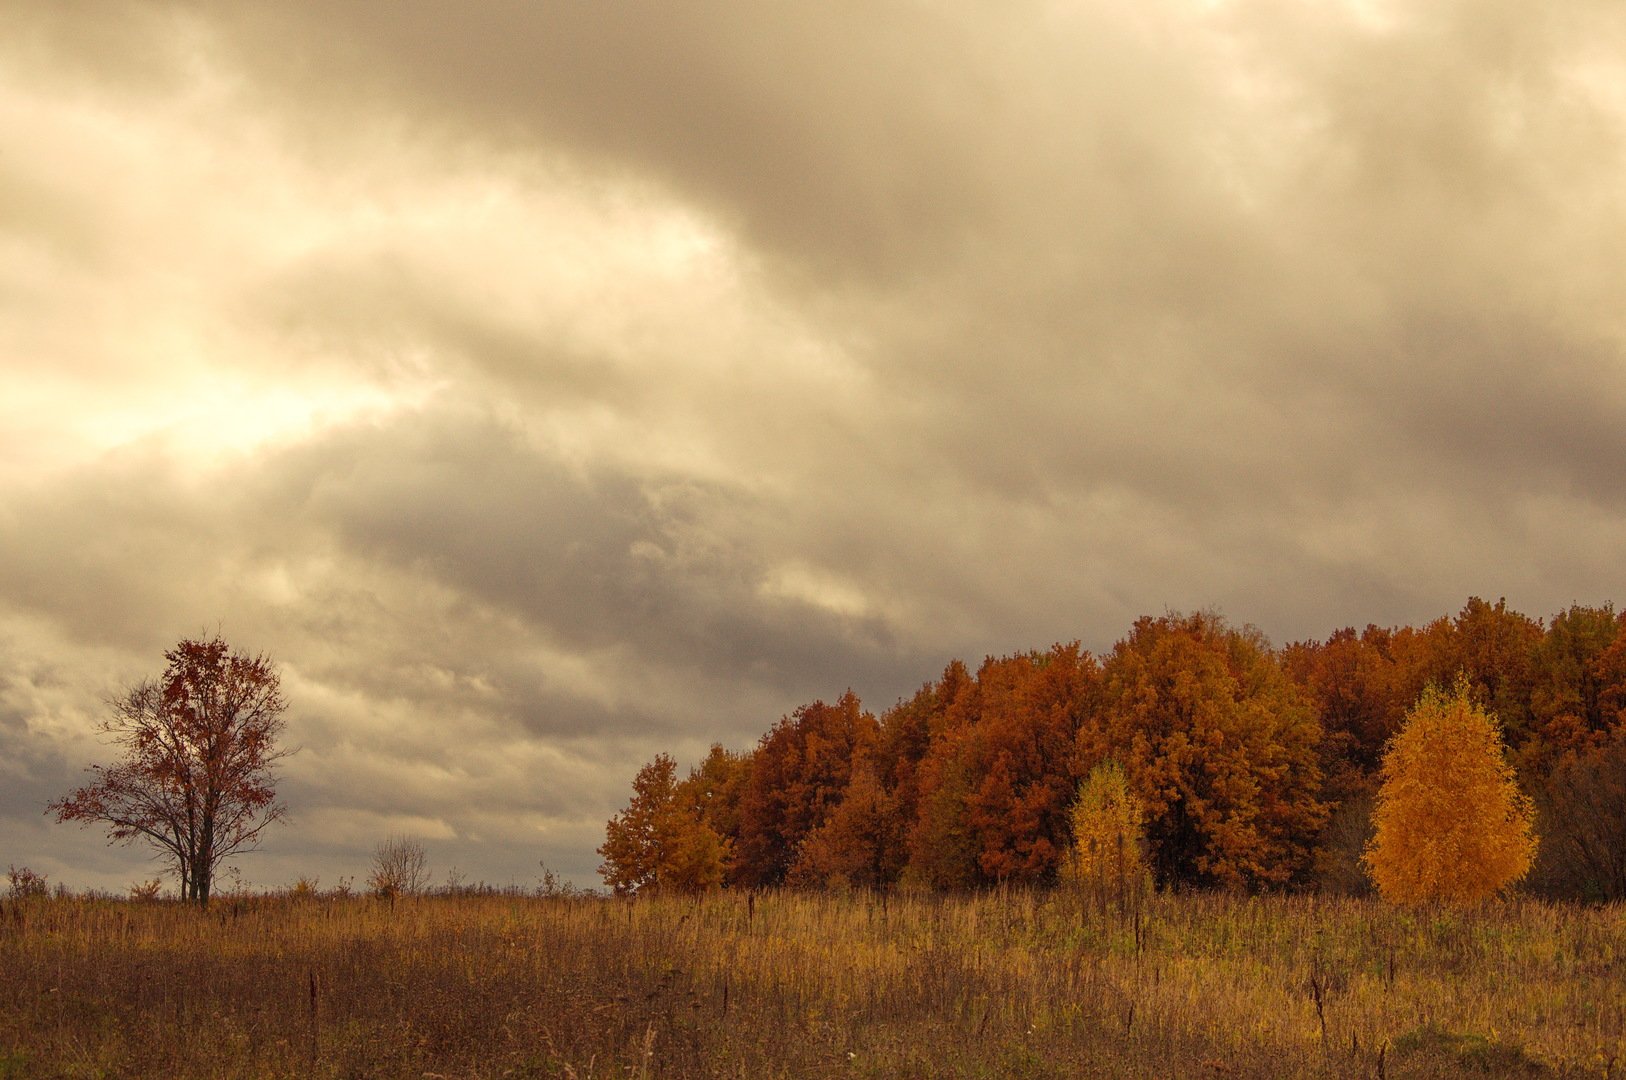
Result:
x=1257 y=766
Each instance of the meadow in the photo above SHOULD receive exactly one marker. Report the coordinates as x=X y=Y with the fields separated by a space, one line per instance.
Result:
x=1003 y=983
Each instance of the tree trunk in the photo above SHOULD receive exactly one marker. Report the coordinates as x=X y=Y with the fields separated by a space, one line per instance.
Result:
x=202 y=873
x=203 y=860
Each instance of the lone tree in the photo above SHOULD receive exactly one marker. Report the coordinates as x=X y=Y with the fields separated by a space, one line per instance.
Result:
x=1452 y=825
x=197 y=779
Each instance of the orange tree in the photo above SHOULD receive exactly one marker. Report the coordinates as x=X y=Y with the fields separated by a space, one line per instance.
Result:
x=714 y=788
x=660 y=842
x=996 y=781
x=1452 y=826
x=197 y=781
x=798 y=774
x=1220 y=746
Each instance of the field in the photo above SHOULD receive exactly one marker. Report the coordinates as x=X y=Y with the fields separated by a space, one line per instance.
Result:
x=784 y=985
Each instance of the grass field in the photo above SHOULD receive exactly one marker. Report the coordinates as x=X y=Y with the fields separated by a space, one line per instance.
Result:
x=993 y=985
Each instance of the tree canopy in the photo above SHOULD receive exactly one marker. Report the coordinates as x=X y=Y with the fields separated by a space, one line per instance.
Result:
x=662 y=841
x=1254 y=767
x=1452 y=826
x=197 y=777
x=1220 y=745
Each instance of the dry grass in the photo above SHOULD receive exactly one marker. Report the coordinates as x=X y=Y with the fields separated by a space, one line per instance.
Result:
x=994 y=985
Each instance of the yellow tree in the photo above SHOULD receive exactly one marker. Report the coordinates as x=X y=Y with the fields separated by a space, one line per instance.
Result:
x=1107 y=857
x=1452 y=826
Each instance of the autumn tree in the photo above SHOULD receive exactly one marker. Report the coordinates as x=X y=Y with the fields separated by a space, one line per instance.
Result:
x=1361 y=686
x=942 y=845
x=693 y=857
x=1452 y=826
x=1575 y=673
x=714 y=788
x=1493 y=649
x=799 y=772
x=631 y=847
x=695 y=833
x=197 y=780
x=907 y=733
x=1609 y=670
x=1031 y=708
x=660 y=842
x=997 y=780
x=861 y=843
x=1220 y=745
x=1107 y=857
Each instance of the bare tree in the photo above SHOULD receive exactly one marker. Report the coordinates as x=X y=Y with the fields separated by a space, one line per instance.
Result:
x=400 y=868
x=197 y=780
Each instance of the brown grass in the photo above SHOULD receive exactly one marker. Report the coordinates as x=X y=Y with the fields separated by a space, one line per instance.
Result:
x=993 y=985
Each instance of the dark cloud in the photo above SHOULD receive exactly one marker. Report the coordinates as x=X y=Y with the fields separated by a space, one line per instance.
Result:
x=548 y=385
x=822 y=142
x=651 y=568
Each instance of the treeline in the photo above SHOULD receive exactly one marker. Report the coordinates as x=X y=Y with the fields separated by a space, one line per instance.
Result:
x=1257 y=766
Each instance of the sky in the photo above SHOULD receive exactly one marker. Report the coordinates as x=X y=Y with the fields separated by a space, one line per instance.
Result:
x=545 y=384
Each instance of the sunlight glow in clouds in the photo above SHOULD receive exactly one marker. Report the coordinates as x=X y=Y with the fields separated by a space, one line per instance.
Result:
x=557 y=383
x=228 y=293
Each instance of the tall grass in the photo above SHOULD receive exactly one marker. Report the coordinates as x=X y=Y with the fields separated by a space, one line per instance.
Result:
x=998 y=984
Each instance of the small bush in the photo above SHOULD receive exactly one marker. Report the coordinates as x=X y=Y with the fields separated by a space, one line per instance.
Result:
x=25 y=883
x=554 y=885
x=400 y=868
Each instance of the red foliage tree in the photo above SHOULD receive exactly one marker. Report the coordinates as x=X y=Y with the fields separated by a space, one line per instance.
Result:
x=997 y=782
x=197 y=781
x=1609 y=672
x=861 y=844
x=1359 y=689
x=798 y=775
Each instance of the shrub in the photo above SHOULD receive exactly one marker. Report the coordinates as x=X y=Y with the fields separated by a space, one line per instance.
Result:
x=25 y=882
x=400 y=868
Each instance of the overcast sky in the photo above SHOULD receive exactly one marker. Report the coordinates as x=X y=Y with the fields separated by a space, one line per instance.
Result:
x=544 y=384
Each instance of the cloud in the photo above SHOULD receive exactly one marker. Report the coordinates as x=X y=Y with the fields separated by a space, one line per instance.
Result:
x=553 y=384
